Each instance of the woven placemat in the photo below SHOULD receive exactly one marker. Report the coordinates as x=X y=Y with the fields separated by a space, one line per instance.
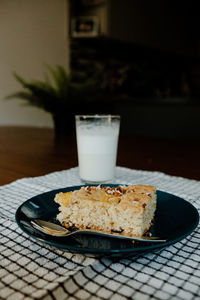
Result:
x=31 y=270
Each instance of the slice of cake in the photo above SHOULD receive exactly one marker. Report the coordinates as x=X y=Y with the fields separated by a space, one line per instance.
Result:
x=128 y=210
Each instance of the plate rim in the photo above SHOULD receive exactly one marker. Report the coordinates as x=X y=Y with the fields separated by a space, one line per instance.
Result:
x=136 y=251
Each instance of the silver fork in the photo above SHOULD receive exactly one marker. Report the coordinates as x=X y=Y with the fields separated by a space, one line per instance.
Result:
x=57 y=230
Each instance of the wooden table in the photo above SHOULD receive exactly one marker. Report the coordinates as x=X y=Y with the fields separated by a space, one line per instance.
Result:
x=26 y=152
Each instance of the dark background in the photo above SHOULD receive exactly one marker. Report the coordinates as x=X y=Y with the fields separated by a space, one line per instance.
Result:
x=151 y=65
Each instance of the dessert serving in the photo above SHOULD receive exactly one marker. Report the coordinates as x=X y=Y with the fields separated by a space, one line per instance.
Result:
x=128 y=210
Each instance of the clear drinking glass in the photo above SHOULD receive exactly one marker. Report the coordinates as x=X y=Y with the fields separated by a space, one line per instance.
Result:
x=97 y=141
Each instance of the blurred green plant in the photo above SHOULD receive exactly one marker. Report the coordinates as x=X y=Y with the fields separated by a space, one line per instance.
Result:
x=61 y=95
x=57 y=92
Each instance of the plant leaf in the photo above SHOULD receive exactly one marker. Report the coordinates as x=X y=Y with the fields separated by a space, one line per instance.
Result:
x=57 y=92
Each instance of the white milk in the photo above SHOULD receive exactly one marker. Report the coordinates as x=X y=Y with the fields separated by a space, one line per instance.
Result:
x=97 y=152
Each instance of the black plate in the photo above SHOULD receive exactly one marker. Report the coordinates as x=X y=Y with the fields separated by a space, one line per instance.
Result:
x=175 y=219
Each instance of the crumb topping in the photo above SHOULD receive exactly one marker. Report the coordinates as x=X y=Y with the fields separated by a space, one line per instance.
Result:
x=123 y=196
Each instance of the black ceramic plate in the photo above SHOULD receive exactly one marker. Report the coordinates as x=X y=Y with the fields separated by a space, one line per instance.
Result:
x=175 y=219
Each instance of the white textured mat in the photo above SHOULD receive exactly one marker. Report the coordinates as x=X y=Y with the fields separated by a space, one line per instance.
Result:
x=30 y=270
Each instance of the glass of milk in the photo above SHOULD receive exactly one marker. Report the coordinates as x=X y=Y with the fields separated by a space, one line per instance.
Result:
x=97 y=141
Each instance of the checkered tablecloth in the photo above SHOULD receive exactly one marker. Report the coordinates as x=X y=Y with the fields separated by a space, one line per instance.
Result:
x=30 y=270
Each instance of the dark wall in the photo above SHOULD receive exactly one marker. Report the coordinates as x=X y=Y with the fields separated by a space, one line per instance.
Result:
x=167 y=25
x=151 y=64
